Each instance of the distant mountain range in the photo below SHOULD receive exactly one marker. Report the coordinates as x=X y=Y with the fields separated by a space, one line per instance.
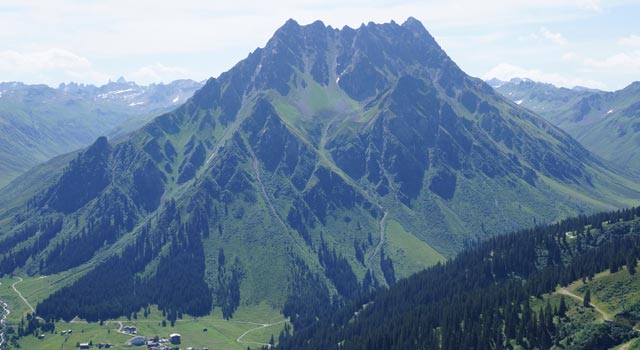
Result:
x=38 y=122
x=323 y=165
x=606 y=123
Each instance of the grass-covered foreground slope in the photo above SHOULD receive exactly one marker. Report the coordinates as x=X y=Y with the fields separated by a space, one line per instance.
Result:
x=38 y=122
x=606 y=123
x=525 y=290
x=322 y=166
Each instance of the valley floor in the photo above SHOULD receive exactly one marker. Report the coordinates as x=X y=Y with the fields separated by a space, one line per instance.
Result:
x=251 y=326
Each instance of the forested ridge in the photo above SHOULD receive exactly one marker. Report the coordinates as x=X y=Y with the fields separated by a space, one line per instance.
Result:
x=480 y=299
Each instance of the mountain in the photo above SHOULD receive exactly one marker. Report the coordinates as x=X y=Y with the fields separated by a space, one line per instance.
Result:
x=38 y=122
x=606 y=123
x=520 y=291
x=323 y=165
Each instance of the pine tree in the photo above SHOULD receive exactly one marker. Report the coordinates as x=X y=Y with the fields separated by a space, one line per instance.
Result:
x=632 y=263
x=562 y=309
x=614 y=266
x=587 y=299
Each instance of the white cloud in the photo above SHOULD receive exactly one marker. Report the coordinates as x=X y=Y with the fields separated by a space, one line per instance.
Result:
x=590 y=5
x=147 y=26
x=157 y=73
x=48 y=66
x=544 y=34
x=36 y=61
x=207 y=37
x=555 y=38
x=622 y=61
x=569 y=56
x=631 y=40
x=505 y=71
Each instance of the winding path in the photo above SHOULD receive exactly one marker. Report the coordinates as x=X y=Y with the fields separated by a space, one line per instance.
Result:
x=20 y=294
x=566 y=292
x=604 y=315
x=120 y=327
x=261 y=326
x=6 y=312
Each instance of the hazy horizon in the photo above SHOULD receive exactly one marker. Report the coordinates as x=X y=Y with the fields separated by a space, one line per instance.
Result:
x=568 y=43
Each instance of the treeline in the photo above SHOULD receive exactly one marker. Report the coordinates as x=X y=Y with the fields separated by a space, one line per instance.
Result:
x=112 y=216
x=338 y=270
x=34 y=326
x=121 y=286
x=309 y=298
x=43 y=232
x=479 y=300
x=227 y=289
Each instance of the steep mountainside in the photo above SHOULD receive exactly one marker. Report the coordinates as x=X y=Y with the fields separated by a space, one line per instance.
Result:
x=606 y=123
x=38 y=122
x=327 y=163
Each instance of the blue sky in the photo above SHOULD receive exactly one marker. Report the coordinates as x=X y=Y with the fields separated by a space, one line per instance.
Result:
x=590 y=43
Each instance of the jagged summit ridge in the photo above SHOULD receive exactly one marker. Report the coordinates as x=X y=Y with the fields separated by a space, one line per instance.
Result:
x=378 y=53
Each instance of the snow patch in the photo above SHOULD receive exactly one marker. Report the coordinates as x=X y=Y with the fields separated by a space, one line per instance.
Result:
x=120 y=91
x=610 y=111
x=519 y=102
x=117 y=92
x=176 y=99
x=337 y=80
x=133 y=104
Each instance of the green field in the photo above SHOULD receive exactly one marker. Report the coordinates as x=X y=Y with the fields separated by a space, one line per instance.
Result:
x=408 y=252
x=255 y=325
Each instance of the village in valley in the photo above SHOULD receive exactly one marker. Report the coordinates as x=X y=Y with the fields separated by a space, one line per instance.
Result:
x=155 y=343
x=172 y=342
